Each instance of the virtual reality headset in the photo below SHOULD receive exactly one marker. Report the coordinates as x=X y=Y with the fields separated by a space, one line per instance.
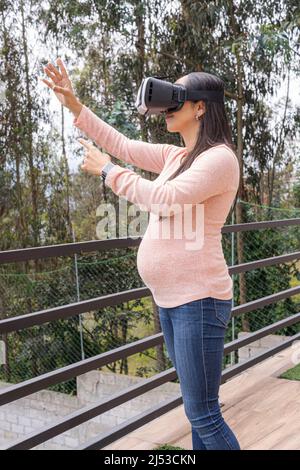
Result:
x=156 y=96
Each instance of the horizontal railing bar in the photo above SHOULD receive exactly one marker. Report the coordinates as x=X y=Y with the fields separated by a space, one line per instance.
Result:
x=123 y=429
x=258 y=264
x=28 y=387
x=65 y=311
x=247 y=226
x=20 y=322
x=68 y=249
x=267 y=330
x=23 y=389
x=238 y=368
x=262 y=263
x=91 y=411
x=263 y=301
x=106 y=438
x=15 y=392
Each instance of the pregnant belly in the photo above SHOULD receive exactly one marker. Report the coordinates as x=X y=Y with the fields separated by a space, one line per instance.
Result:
x=162 y=261
x=150 y=261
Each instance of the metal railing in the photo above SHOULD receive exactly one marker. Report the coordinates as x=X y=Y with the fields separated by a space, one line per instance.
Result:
x=25 y=388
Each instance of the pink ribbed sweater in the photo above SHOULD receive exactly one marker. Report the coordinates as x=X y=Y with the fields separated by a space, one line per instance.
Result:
x=174 y=273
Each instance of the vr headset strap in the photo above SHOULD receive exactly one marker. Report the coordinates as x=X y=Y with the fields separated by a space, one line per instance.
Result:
x=211 y=95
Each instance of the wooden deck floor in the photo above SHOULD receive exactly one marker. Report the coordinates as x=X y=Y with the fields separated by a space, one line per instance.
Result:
x=262 y=409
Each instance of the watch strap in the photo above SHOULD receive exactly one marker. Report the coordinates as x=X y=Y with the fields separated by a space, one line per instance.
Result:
x=108 y=166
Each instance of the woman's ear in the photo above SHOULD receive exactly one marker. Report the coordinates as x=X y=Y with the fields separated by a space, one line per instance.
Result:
x=201 y=107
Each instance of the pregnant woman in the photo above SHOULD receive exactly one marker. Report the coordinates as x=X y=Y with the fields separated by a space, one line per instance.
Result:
x=190 y=283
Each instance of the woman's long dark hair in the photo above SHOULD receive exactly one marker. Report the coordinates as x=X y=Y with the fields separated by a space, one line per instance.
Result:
x=214 y=128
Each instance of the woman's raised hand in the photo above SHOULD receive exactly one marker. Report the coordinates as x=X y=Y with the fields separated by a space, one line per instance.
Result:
x=61 y=84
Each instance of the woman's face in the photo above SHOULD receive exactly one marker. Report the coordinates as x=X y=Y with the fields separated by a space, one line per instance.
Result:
x=185 y=118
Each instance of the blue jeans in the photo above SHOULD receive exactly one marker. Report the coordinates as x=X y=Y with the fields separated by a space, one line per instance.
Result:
x=194 y=335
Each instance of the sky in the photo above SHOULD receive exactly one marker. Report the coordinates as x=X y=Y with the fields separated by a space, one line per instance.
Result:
x=294 y=91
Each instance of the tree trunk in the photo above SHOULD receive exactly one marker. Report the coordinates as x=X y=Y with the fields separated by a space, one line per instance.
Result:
x=29 y=132
x=241 y=190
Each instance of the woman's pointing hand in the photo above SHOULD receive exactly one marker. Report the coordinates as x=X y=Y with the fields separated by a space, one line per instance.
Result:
x=94 y=160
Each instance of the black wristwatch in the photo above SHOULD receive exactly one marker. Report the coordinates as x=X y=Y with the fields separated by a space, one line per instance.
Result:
x=108 y=166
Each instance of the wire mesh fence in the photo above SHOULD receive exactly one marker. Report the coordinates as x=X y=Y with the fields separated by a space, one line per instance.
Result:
x=34 y=286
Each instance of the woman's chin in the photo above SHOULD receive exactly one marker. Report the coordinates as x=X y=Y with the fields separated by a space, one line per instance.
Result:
x=171 y=127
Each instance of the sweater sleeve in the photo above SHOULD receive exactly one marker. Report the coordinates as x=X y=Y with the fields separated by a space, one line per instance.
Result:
x=144 y=155
x=213 y=172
